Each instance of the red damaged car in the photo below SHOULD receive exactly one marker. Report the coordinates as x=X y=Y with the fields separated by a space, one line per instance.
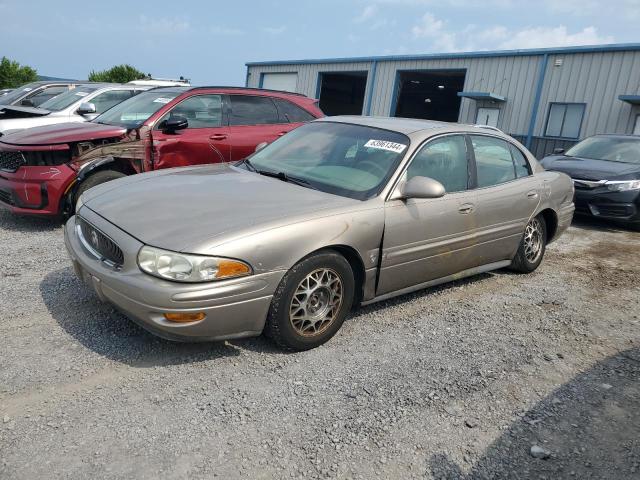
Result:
x=44 y=169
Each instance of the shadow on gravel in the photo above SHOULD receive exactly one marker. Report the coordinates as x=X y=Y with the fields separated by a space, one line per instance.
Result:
x=102 y=329
x=590 y=427
x=18 y=223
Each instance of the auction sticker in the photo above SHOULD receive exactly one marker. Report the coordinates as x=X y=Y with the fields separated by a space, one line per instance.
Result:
x=162 y=100
x=384 y=145
x=82 y=94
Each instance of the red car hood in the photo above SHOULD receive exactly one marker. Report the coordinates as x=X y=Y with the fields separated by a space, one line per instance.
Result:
x=63 y=133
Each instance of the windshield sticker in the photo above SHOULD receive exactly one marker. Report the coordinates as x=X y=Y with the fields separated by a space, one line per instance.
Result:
x=162 y=100
x=131 y=117
x=28 y=89
x=384 y=145
x=82 y=94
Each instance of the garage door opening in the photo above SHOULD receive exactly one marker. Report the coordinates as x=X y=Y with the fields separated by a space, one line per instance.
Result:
x=429 y=94
x=342 y=93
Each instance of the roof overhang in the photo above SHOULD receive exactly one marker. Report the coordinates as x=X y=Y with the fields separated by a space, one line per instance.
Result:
x=632 y=99
x=494 y=97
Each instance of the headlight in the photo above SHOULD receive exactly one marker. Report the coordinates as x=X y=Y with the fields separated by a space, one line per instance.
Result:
x=623 y=185
x=79 y=203
x=189 y=268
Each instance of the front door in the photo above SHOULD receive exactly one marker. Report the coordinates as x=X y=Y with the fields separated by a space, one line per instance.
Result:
x=507 y=196
x=254 y=119
x=205 y=140
x=426 y=239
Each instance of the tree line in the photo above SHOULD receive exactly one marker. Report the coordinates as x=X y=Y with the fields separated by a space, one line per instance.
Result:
x=12 y=74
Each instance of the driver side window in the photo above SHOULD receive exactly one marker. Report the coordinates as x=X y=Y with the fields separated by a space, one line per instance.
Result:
x=445 y=160
x=201 y=111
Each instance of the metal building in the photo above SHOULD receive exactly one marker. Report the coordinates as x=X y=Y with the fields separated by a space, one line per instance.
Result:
x=546 y=98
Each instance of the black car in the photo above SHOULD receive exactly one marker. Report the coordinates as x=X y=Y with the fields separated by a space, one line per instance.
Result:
x=606 y=174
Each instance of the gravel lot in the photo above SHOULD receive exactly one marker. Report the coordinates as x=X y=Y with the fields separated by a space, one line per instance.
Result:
x=454 y=382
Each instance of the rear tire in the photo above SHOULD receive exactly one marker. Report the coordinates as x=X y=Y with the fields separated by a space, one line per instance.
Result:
x=532 y=246
x=311 y=302
x=95 y=179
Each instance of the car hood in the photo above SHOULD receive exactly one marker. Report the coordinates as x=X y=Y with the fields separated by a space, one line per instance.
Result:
x=63 y=133
x=591 y=169
x=190 y=209
x=9 y=111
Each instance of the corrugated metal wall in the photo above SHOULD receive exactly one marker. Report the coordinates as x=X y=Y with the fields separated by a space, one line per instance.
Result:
x=595 y=79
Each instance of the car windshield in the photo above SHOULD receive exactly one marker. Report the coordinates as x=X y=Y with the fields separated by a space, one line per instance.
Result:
x=133 y=112
x=349 y=160
x=615 y=149
x=18 y=93
x=67 y=99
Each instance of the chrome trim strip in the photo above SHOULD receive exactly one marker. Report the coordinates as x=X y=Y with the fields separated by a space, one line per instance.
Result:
x=91 y=250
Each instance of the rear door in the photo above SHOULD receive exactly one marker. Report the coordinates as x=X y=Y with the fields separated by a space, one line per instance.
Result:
x=205 y=140
x=426 y=239
x=254 y=119
x=507 y=196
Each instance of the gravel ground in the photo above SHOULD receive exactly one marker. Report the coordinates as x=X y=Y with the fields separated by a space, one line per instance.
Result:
x=499 y=376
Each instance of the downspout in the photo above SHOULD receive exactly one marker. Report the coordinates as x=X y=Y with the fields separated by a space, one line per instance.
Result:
x=536 y=101
x=246 y=78
x=374 y=68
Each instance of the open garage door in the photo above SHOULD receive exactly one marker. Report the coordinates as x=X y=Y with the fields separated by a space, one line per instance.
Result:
x=342 y=93
x=430 y=94
x=280 y=81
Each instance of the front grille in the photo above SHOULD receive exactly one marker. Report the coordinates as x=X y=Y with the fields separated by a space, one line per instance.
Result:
x=11 y=161
x=100 y=243
x=46 y=158
x=614 y=210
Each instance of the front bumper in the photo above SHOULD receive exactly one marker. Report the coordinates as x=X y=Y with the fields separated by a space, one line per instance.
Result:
x=35 y=190
x=234 y=308
x=603 y=203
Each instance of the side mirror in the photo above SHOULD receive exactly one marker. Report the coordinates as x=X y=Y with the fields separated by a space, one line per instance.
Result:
x=422 y=187
x=260 y=146
x=558 y=151
x=26 y=102
x=174 y=124
x=86 y=108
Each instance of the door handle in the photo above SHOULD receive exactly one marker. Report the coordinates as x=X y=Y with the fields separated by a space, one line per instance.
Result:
x=532 y=194
x=466 y=208
x=218 y=136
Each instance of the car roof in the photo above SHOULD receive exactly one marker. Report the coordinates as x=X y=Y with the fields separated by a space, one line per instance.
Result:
x=412 y=126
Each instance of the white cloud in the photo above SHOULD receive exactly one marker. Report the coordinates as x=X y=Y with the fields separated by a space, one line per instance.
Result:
x=444 y=39
x=559 y=36
x=163 y=25
x=434 y=29
x=226 y=31
x=368 y=12
x=274 y=30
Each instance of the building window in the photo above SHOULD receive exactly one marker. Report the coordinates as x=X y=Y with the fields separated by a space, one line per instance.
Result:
x=564 y=120
x=636 y=129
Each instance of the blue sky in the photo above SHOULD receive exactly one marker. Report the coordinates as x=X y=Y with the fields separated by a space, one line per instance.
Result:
x=210 y=41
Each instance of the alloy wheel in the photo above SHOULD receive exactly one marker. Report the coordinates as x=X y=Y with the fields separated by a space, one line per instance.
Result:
x=533 y=240
x=316 y=302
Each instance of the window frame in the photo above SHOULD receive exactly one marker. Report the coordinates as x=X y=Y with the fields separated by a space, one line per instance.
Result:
x=224 y=121
x=401 y=175
x=636 y=126
x=510 y=144
x=229 y=110
x=546 y=125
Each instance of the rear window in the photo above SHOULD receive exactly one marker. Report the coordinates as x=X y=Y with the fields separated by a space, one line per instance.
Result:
x=252 y=110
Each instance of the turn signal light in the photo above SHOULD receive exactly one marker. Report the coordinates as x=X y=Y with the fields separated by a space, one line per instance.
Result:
x=184 y=317
x=229 y=268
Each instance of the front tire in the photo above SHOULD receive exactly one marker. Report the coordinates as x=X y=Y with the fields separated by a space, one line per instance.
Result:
x=311 y=302
x=101 y=176
x=532 y=247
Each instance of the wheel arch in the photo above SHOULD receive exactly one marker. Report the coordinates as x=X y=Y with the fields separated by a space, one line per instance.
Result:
x=355 y=261
x=551 y=223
